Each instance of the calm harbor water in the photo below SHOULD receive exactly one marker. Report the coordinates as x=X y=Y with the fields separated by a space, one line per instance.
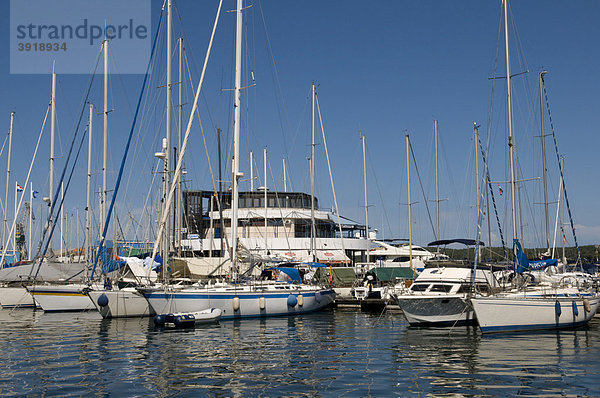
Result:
x=330 y=353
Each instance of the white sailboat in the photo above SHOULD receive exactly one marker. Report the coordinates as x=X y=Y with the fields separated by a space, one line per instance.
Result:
x=13 y=292
x=551 y=307
x=239 y=299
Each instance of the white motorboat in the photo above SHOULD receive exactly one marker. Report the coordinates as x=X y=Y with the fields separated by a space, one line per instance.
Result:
x=392 y=255
x=439 y=295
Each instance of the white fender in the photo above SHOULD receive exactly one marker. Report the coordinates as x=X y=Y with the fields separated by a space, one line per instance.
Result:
x=261 y=302
x=586 y=305
x=236 y=303
x=300 y=300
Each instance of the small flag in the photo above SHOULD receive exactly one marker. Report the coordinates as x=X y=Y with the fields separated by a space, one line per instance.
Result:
x=500 y=189
x=34 y=194
x=19 y=188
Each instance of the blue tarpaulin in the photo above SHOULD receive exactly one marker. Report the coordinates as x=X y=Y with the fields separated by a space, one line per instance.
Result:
x=524 y=264
x=109 y=262
x=293 y=273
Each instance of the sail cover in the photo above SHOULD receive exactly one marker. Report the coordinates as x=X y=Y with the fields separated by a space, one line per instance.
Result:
x=524 y=264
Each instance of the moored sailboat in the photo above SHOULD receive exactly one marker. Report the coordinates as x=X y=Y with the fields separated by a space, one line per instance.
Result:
x=240 y=298
x=538 y=307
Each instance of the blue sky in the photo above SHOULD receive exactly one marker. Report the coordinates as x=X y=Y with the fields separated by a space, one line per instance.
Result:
x=386 y=68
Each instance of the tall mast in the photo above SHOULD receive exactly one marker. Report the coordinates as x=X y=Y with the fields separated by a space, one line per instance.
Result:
x=476 y=131
x=251 y=171
x=104 y=137
x=30 y=218
x=168 y=119
x=362 y=137
x=437 y=185
x=409 y=215
x=222 y=224
x=236 y=134
x=265 y=194
x=284 y=177
x=562 y=220
x=62 y=214
x=10 y=134
x=167 y=151
x=88 y=219
x=543 y=136
x=179 y=135
x=510 y=125
x=313 y=233
x=52 y=134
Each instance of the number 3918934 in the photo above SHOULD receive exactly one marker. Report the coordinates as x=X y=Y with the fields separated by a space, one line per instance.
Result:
x=26 y=46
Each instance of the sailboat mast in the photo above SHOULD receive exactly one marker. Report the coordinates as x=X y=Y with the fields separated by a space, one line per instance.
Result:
x=284 y=176
x=313 y=232
x=265 y=194
x=62 y=215
x=437 y=185
x=221 y=223
x=30 y=219
x=476 y=131
x=543 y=136
x=251 y=171
x=10 y=134
x=52 y=135
x=409 y=215
x=104 y=137
x=88 y=219
x=366 y=202
x=510 y=125
x=179 y=138
x=236 y=134
x=562 y=220
x=168 y=120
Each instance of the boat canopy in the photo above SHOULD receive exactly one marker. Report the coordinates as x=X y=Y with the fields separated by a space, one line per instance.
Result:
x=390 y=274
x=293 y=274
x=466 y=242
x=341 y=275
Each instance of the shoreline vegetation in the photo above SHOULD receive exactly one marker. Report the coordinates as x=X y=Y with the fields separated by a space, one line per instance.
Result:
x=589 y=253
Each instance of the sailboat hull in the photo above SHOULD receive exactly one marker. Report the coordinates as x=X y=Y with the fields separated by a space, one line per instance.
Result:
x=62 y=297
x=515 y=314
x=16 y=297
x=122 y=303
x=242 y=302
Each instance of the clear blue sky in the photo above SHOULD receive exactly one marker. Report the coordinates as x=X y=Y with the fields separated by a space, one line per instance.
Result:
x=386 y=68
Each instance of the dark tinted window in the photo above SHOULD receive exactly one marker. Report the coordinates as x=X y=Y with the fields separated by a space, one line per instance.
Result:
x=441 y=288
x=419 y=287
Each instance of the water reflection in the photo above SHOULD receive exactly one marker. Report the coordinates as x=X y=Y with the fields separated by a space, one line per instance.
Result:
x=330 y=353
x=462 y=361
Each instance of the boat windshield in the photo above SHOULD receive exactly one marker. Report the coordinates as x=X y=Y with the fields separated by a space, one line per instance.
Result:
x=419 y=287
x=441 y=288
